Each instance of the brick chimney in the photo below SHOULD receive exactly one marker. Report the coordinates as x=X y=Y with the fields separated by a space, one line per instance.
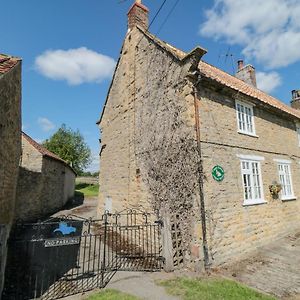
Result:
x=138 y=15
x=246 y=73
x=295 y=103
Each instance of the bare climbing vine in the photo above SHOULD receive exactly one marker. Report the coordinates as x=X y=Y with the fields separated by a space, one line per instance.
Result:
x=166 y=149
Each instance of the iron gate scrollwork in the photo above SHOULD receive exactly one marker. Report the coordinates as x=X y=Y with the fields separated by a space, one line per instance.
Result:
x=70 y=255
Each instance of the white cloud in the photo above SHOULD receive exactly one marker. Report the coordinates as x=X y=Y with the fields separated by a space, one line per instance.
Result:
x=268 y=82
x=76 y=66
x=268 y=30
x=45 y=124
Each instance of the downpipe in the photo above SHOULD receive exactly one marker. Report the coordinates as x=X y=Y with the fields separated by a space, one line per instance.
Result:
x=201 y=174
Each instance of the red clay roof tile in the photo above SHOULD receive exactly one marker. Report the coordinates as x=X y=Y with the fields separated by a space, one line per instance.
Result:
x=7 y=63
x=228 y=80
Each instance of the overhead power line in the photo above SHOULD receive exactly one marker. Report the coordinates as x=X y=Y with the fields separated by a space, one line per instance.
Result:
x=167 y=17
x=157 y=13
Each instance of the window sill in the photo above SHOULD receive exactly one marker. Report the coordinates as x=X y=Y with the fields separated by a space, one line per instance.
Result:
x=254 y=202
x=291 y=198
x=249 y=134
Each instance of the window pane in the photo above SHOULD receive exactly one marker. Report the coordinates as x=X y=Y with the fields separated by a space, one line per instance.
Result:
x=245 y=118
x=251 y=180
x=256 y=183
x=285 y=180
x=282 y=182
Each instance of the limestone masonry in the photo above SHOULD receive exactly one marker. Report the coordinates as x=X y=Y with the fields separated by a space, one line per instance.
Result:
x=33 y=181
x=45 y=184
x=169 y=119
x=10 y=147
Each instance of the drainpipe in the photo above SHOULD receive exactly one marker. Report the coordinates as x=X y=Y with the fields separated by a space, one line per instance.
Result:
x=201 y=175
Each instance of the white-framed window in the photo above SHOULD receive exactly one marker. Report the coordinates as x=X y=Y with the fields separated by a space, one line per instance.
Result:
x=285 y=179
x=252 y=179
x=245 y=118
x=298 y=133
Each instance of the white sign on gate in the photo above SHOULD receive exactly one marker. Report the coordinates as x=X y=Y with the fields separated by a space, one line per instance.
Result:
x=62 y=241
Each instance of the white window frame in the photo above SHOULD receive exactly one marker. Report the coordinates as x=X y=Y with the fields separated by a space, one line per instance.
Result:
x=298 y=133
x=285 y=176
x=244 y=120
x=252 y=159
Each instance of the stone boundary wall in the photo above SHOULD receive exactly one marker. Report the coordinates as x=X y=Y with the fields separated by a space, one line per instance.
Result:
x=88 y=180
x=29 y=206
x=10 y=152
x=40 y=194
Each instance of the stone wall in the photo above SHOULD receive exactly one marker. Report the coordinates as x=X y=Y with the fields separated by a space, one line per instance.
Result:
x=233 y=229
x=69 y=184
x=44 y=185
x=118 y=177
x=149 y=157
x=87 y=180
x=142 y=122
x=10 y=151
x=32 y=159
x=53 y=185
x=29 y=206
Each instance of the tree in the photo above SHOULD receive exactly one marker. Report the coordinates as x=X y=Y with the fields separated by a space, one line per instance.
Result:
x=71 y=147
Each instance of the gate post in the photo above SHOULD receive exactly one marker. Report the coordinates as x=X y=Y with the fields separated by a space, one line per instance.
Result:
x=103 y=263
x=167 y=245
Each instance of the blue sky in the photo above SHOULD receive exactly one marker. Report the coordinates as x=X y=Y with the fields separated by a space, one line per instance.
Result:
x=69 y=48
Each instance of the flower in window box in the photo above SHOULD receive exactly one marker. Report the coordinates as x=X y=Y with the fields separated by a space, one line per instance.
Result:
x=275 y=189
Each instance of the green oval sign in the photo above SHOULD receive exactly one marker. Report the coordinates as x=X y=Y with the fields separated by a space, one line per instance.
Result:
x=218 y=173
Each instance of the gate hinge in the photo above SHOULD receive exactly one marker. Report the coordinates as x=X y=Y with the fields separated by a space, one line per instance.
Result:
x=161 y=258
x=160 y=222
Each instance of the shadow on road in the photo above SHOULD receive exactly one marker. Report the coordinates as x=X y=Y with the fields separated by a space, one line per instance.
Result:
x=77 y=200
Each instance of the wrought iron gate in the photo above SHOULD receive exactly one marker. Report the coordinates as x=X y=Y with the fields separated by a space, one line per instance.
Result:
x=70 y=255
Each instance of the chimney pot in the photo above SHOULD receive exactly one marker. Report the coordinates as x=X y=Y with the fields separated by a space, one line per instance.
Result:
x=295 y=103
x=246 y=73
x=138 y=15
x=240 y=64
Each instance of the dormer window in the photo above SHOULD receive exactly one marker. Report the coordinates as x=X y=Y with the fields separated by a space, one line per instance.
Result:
x=245 y=118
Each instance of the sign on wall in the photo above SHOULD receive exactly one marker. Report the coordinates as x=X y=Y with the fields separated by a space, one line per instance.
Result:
x=218 y=173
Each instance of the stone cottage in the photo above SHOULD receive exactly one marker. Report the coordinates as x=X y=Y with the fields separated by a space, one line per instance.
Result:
x=46 y=182
x=218 y=156
x=10 y=147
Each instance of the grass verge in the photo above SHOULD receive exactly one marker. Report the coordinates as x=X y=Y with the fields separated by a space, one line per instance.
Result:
x=211 y=289
x=110 y=294
x=89 y=190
